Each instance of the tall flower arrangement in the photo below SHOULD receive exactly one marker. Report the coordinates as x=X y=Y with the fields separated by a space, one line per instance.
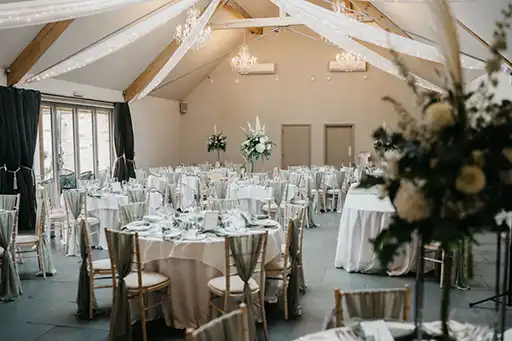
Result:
x=217 y=142
x=257 y=144
x=453 y=176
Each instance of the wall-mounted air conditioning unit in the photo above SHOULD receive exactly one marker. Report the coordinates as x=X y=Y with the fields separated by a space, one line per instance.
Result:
x=356 y=66
x=263 y=69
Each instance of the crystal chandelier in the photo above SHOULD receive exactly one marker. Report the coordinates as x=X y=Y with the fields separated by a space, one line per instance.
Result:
x=183 y=31
x=347 y=60
x=243 y=62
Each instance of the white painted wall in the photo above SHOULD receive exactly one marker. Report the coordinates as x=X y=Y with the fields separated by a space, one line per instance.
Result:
x=502 y=91
x=155 y=120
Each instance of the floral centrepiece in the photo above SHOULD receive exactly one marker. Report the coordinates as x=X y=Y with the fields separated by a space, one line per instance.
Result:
x=217 y=141
x=452 y=176
x=257 y=144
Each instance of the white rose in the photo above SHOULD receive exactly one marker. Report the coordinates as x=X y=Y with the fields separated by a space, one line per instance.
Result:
x=260 y=148
x=410 y=203
x=263 y=139
x=269 y=146
x=439 y=116
x=391 y=155
x=471 y=180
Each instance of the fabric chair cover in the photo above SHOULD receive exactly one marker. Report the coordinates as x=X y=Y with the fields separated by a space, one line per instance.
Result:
x=172 y=195
x=8 y=201
x=227 y=327
x=137 y=195
x=284 y=174
x=294 y=283
x=10 y=285
x=318 y=178
x=237 y=168
x=44 y=238
x=382 y=304
x=75 y=200
x=141 y=174
x=296 y=212
x=246 y=251
x=279 y=192
x=204 y=167
x=132 y=212
x=84 y=281
x=120 y=247
x=340 y=180
x=308 y=187
x=222 y=205
x=220 y=189
x=275 y=173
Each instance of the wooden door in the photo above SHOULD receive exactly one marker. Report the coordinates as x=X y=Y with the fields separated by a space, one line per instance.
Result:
x=295 y=145
x=339 y=145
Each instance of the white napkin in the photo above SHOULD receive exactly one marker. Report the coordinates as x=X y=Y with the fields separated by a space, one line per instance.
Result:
x=210 y=220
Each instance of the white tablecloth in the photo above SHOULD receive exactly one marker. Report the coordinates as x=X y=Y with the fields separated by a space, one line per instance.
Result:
x=364 y=215
x=190 y=265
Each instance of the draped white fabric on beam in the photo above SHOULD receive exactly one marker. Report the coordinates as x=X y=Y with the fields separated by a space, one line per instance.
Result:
x=36 y=12
x=114 y=42
x=347 y=44
x=344 y=25
x=181 y=50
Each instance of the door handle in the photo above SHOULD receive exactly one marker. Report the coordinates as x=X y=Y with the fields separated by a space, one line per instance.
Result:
x=349 y=150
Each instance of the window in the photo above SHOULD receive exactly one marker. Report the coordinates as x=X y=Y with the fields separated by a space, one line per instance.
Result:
x=75 y=142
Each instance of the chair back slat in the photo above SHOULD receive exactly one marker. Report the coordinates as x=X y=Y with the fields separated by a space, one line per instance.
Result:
x=387 y=304
x=132 y=212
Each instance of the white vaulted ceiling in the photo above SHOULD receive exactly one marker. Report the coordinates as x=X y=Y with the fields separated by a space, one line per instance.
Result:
x=119 y=69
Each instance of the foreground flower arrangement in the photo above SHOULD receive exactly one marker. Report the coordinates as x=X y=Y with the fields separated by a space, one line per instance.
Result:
x=453 y=174
x=257 y=144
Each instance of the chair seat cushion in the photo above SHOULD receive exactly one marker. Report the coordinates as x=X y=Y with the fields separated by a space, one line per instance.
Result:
x=277 y=265
x=149 y=279
x=26 y=238
x=236 y=285
x=92 y=221
x=273 y=207
x=58 y=215
x=58 y=210
x=299 y=202
x=102 y=264
x=333 y=191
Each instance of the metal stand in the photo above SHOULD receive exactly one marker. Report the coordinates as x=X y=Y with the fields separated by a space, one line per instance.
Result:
x=506 y=295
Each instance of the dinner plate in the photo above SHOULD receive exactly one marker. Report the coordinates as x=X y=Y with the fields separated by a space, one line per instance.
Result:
x=152 y=218
x=137 y=226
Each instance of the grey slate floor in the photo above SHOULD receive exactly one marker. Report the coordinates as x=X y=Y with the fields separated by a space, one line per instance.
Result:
x=46 y=309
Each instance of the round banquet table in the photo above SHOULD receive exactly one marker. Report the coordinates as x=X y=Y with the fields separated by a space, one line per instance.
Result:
x=395 y=328
x=363 y=217
x=190 y=264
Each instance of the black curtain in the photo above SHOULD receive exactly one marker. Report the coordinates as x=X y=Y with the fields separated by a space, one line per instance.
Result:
x=124 y=167
x=19 y=119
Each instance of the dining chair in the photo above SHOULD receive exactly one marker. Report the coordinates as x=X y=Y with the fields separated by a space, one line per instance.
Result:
x=276 y=204
x=336 y=193
x=132 y=282
x=55 y=216
x=280 y=270
x=89 y=270
x=223 y=205
x=137 y=194
x=30 y=243
x=11 y=202
x=299 y=214
x=244 y=257
x=11 y=285
x=233 y=326
x=387 y=304
x=132 y=212
x=75 y=201
x=432 y=252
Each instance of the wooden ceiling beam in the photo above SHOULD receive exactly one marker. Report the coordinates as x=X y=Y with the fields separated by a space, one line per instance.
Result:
x=482 y=41
x=150 y=72
x=239 y=12
x=380 y=18
x=35 y=49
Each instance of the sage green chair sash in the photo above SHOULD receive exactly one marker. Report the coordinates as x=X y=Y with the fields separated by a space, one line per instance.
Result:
x=120 y=248
x=83 y=296
x=10 y=285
